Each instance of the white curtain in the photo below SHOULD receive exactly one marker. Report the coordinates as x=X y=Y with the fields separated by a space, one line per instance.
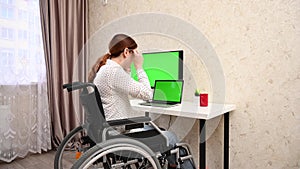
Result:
x=24 y=111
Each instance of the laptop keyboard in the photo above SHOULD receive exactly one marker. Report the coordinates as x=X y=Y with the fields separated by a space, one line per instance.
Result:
x=157 y=104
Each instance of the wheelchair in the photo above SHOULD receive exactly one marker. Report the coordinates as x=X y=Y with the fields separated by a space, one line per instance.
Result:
x=97 y=144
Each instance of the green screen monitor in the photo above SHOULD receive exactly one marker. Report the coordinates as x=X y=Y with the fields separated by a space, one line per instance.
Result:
x=163 y=65
x=169 y=91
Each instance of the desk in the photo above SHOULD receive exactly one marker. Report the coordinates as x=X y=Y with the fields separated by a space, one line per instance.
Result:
x=191 y=110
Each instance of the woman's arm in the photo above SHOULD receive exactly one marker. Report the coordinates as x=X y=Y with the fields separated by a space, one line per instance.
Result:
x=138 y=89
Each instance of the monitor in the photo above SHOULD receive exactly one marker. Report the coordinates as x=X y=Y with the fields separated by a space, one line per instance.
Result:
x=162 y=65
x=168 y=91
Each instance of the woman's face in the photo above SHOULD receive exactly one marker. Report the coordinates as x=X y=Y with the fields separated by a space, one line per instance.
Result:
x=128 y=55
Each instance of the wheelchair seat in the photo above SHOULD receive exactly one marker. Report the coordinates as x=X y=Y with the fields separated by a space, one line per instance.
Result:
x=152 y=138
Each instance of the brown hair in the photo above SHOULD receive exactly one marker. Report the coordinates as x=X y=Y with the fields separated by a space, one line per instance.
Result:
x=116 y=46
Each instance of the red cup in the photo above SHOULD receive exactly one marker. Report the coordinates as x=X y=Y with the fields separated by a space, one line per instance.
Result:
x=203 y=99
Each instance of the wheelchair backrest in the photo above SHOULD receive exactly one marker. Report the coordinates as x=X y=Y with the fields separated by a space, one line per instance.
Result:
x=94 y=112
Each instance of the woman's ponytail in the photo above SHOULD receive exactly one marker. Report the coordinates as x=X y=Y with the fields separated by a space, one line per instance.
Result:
x=100 y=62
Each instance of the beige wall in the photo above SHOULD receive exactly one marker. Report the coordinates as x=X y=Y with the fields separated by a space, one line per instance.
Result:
x=257 y=44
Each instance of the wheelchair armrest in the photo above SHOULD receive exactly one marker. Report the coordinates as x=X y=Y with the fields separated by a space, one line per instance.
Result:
x=77 y=85
x=127 y=121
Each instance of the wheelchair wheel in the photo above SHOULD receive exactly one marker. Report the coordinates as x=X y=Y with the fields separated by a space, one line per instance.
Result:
x=118 y=153
x=65 y=155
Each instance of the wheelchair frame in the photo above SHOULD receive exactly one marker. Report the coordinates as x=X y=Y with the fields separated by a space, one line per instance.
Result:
x=97 y=128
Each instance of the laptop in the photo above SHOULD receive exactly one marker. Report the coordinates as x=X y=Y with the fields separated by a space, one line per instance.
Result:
x=166 y=93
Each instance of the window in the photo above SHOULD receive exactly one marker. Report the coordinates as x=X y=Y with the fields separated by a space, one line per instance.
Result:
x=9 y=2
x=7 y=33
x=23 y=15
x=6 y=12
x=6 y=8
x=7 y=56
x=23 y=34
x=21 y=48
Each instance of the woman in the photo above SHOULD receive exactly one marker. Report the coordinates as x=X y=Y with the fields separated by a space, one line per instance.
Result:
x=114 y=81
x=111 y=75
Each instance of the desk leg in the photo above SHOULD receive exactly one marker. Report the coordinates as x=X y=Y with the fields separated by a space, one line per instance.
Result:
x=202 y=146
x=226 y=140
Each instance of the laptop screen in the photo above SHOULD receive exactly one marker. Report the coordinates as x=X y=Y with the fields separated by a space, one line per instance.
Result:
x=168 y=90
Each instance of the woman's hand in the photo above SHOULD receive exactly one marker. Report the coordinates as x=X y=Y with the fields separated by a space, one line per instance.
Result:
x=138 y=59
